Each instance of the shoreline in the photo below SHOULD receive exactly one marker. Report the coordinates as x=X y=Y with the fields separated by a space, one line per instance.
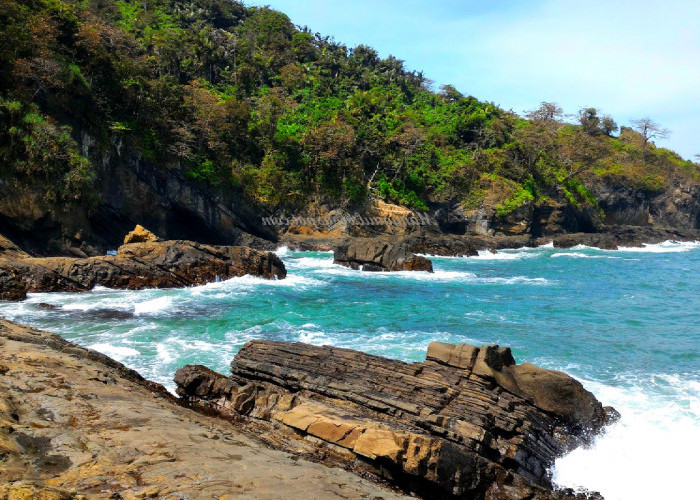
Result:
x=74 y=421
x=447 y=245
x=60 y=389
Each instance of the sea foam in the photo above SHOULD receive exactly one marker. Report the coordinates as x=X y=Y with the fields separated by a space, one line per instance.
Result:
x=651 y=452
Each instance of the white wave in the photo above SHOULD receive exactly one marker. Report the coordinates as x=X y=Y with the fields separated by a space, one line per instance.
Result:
x=644 y=455
x=113 y=351
x=314 y=337
x=576 y=255
x=515 y=280
x=503 y=255
x=667 y=246
x=165 y=353
x=153 y=306
x=87 y=303
x=580 y=255
x=282 y=251
x=312 y=263
x=248 y=283
x=437 y=275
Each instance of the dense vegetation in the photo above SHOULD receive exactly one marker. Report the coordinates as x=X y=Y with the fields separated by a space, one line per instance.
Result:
x=241 y=99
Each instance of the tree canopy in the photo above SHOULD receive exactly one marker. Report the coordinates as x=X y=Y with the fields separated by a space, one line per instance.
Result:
x=241 y=99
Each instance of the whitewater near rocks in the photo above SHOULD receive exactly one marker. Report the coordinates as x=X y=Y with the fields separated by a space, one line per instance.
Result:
x=622 y=322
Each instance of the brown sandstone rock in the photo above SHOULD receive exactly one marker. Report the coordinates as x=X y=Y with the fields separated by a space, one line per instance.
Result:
x=76 y=424
x=140 y=235
x=468 y=423
x=8 y=250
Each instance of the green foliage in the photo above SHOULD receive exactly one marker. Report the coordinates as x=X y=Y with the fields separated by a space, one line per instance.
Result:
x=241 y=99
x=37 y=150
x=526 y=194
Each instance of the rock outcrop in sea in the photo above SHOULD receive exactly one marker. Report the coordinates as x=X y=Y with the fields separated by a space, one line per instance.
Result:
x=377 y=254
x=467 y=423
x=143 y=262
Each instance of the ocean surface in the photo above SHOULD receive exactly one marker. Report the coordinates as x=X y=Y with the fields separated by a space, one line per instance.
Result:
x=626 y=323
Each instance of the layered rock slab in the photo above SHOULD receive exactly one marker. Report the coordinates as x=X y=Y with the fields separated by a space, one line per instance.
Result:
x=466 y=423
x=76 y=424
x=146 y=264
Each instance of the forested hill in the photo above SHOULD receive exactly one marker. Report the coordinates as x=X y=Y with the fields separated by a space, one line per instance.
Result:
x=241 y=106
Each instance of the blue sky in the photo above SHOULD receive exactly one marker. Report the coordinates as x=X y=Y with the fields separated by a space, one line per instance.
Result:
x=628 y=58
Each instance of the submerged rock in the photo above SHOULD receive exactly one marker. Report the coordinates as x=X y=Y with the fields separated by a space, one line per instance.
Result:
x=379 y=255
x=150 y=264
x=466 y=423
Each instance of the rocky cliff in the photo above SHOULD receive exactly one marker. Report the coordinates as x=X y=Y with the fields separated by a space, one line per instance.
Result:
x=128 y=190
x=466 y=423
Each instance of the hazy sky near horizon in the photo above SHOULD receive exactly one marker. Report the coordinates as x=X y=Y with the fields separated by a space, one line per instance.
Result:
x=628 y=58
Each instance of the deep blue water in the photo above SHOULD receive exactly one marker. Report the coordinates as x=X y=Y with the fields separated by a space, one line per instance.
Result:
x=626 y=323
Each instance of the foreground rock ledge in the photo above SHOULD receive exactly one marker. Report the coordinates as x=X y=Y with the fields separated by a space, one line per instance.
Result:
x=76 y=424
x=467 y=423
x=146 y=264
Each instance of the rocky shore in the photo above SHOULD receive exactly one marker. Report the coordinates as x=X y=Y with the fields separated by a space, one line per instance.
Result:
x=75 y=424
x=143 y=261
x=291 y=421
x=467 y=423
x=468 y=245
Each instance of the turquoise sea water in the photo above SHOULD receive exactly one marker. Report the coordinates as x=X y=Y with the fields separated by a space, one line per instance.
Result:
x=626 y=323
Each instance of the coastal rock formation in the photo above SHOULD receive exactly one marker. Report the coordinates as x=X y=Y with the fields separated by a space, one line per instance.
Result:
x=8 y=250
x=140 y=235
x=76 y=424
x=466 y=423
x=11 y=286
x=150 y=264
x=379 y=255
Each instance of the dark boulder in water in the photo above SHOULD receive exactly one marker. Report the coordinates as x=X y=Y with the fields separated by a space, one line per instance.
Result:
x=467 y=423
x=370 y=254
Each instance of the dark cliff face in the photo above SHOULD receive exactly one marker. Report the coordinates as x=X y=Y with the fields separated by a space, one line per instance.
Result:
x=677 y=207
x=134 y=190
x=129 y=190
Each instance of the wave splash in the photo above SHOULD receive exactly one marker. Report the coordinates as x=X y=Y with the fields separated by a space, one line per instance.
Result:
x=651 y=452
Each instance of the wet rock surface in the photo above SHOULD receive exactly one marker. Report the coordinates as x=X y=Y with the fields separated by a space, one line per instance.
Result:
x=467 y=423
x=378 y=254
x=76 y=424
x=147 y=264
